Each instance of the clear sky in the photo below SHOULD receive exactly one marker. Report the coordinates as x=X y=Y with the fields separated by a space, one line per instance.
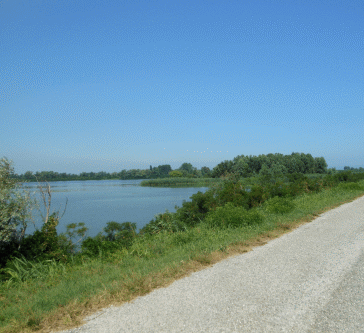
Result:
x=114 y=84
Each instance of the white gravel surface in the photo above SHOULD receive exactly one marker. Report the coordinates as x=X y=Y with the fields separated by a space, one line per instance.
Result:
x=309 y=280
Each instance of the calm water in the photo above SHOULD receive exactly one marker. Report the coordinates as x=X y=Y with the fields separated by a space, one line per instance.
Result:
x=96 y=202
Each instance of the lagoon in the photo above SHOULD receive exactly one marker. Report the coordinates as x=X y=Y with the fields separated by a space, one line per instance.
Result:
x=96 y=202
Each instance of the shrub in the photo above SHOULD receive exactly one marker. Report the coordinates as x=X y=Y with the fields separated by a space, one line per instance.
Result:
x=43 y=244
x=193 y=212
x=93 y=247
x=123 y=233
x=234 y=193
x=350 y=186
x=164 y=222
x=279 y=205
x=257 y=195
x=296 y=177
x=232 y=216
x=279 y=189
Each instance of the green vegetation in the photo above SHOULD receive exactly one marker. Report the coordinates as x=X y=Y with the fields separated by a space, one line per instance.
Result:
x=162 y=171
x=61 y=285
x=14 y=207
x=245 y=166
x=180 y=182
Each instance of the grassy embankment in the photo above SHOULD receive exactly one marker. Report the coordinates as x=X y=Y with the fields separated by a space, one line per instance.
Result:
x=58 y=296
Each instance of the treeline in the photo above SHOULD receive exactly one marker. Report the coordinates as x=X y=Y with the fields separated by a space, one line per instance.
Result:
x=161 y=171
x=347 y=168
x=271 y=164
x=244 y=166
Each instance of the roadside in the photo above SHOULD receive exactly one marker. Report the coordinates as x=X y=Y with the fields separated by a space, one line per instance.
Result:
x=63 y=301
x=295 y=283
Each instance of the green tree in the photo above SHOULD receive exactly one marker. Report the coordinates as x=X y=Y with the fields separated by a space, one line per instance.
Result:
x=187 y=167
x=164 y=170
x=241 y=167
x=29 y=175
x=222 y=168
x=320 y=165
x=15 y=206
x=175 y=173
x=205 y=171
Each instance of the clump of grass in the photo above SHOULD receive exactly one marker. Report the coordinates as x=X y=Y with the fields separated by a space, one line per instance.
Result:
x=20 y=269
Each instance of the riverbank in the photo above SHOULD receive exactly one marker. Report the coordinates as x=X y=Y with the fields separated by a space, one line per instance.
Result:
x=60 y=296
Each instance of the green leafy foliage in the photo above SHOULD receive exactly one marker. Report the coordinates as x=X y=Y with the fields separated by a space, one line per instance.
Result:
x=257 y=195
x=175 y=173
x=193 y=212
x=232 y=216
x=164 y=222
x=97 y=246
x=65 y=239
x=44 y=244
x=279 y=205
x=118 y=235
x=15 y=206
x=271 y=165
x=350 y=186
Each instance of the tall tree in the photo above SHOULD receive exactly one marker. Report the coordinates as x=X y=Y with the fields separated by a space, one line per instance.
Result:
x=15 y=207
x=187 y=167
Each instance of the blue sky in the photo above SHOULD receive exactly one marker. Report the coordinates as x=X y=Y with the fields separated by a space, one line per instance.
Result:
x=112 y=85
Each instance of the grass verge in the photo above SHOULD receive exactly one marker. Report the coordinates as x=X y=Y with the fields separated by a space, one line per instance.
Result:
x=63 y=299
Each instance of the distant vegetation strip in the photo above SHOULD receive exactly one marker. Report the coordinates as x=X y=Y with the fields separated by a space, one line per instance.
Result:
x=179 y=181
x=245 y=166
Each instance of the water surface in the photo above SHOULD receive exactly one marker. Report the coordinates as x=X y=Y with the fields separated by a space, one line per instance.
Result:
x=96 y=202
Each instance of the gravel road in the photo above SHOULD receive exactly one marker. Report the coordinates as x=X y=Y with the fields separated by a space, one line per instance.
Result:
x=309 y=280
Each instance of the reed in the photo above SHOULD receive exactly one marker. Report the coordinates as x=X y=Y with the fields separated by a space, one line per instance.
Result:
x=180 y=182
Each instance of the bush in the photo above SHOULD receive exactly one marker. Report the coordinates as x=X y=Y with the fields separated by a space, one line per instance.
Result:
x=279 y=205
x=234 y=193
x=296 y=177
x=94 y=247
x=350 y=186
x=123 y=233
x=164 y=222
x=232 y=216
x=193 y=212
x=257 y=195
x=43 y=244
x=279 y=189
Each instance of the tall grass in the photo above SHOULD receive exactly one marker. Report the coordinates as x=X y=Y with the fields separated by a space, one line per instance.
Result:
x=19 y=270
x=180 y=182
